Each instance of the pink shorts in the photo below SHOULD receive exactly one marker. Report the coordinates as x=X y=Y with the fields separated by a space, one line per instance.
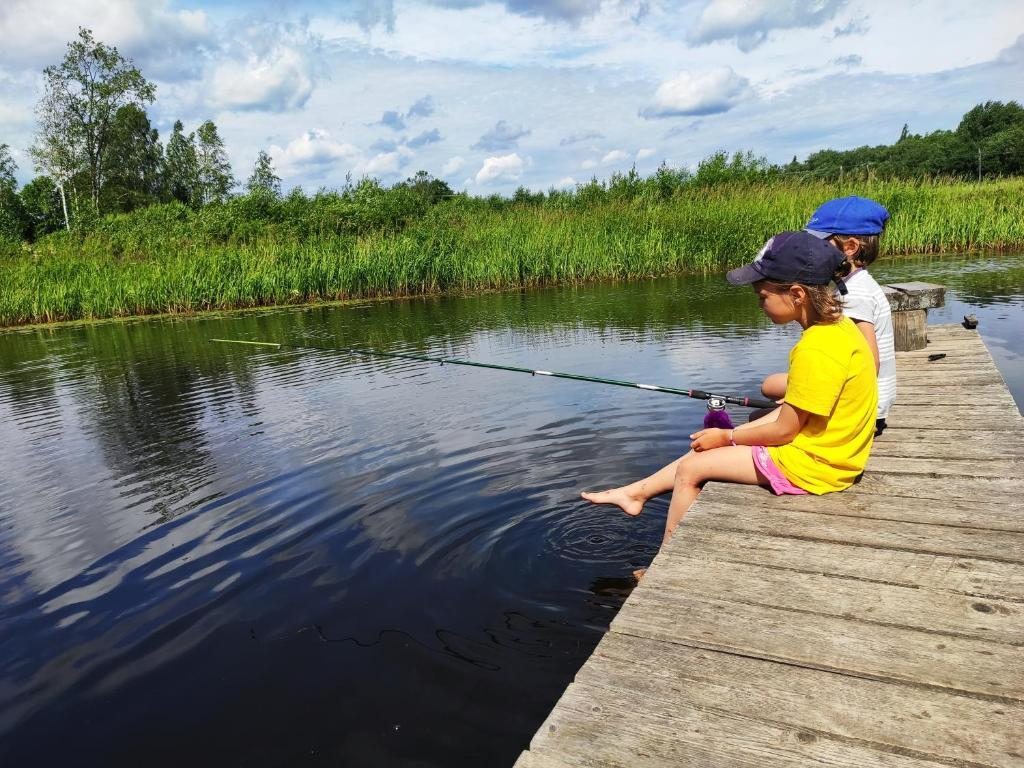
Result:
x=778 y=482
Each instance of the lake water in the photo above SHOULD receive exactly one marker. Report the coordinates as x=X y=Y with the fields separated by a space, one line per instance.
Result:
x=234 y=555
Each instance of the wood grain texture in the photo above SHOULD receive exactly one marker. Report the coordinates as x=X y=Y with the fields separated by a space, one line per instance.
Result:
x=879 y=712
x=822 y=641
x=962 y=575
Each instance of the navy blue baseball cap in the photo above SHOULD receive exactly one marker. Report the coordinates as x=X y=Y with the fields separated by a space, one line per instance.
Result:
x=793 y=257
x=848 y=216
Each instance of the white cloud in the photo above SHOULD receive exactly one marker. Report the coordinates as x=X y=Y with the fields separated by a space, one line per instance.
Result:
x=501 y=168
x=147 y=30
x=749 y=22
x=383 y=164
x=312 y=148
x=276 y=81
x=615 y=156
x=578 y=89
x=453 y=166
x=644 y=152
x=567 y=182
x=698 y=93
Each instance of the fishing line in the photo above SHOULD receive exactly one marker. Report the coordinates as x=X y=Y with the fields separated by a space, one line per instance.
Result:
x=716 y=401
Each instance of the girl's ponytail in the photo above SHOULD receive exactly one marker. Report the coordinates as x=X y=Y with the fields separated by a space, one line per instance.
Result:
x=828 y=304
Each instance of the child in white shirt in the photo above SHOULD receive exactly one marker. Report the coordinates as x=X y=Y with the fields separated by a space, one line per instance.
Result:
x=855 y=225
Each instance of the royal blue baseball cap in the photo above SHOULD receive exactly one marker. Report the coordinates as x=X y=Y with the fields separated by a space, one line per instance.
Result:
x=848 y=216
x=793 y=257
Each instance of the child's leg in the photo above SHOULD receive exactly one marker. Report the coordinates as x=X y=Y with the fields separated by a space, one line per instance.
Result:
x=774 y=386
x=684 y=477
x=732 y=463
x=631 y=498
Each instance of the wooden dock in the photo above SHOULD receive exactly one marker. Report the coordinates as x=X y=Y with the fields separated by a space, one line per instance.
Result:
x=880 y=626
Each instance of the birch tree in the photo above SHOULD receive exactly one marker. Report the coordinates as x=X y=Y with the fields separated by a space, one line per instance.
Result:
x=81 y=97
x=55 y=151
x=215 y=178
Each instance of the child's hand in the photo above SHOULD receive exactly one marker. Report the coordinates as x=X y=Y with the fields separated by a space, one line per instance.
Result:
x=707 y=439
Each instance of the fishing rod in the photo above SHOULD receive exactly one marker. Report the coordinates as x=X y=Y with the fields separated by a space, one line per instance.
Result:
x=697 y=394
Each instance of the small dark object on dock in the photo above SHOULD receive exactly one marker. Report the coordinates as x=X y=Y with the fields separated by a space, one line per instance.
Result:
x=936 y=356
x=970 y=321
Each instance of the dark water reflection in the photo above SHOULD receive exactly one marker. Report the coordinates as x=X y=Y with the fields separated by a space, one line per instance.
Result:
x=242 y=556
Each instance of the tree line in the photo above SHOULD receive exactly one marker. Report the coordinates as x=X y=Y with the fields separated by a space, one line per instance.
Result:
x=97 y=154
x=988 y=142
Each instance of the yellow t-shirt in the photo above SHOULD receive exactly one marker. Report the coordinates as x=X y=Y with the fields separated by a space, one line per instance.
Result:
x=832 y=377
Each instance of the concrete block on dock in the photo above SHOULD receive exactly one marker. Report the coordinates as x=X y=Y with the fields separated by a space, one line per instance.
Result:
x=910 y=303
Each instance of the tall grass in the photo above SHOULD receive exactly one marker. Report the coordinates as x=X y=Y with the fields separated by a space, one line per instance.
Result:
x=170 y=259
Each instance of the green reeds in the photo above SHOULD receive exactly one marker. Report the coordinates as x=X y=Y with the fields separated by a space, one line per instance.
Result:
x=169 y=259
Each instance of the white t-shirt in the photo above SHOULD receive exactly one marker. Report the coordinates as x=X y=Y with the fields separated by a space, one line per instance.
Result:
x=866 y=301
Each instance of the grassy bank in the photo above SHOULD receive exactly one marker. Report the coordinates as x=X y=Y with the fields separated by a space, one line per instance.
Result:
x=170 y=259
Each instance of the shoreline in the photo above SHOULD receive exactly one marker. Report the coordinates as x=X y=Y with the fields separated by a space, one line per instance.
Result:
x=170 y=261
x=185 y=315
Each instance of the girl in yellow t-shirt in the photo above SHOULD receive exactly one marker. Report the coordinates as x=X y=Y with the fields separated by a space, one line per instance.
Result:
x=818 y=440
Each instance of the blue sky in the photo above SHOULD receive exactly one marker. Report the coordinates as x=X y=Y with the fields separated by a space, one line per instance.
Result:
x=494 y=95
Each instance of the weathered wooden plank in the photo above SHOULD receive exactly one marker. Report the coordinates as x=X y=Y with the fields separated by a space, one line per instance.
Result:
x=908 y=717
x=961 y=345
x=893 y=605
x=962 y=393
x=937 y=397
x=963 y=575
x=540 y=760
x=993 y=467
x=1004 y=490
x=915 y=396
x=586 y=728
x=955 y=354
x=952 y=330
x=945 y=357
x=960 y=409
x=980 y=376
x=952 y=364
x=1009 y=440
x=1004 y=546
x=963 y=664
x=968 y=450
x=930 y=418
x=952 y=512
x=939 y=339
x=967 y=411
x=969 y=394
x=953 y=361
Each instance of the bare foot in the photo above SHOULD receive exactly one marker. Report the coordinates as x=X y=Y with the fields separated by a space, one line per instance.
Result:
x=629 y=504
x=639 y=573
